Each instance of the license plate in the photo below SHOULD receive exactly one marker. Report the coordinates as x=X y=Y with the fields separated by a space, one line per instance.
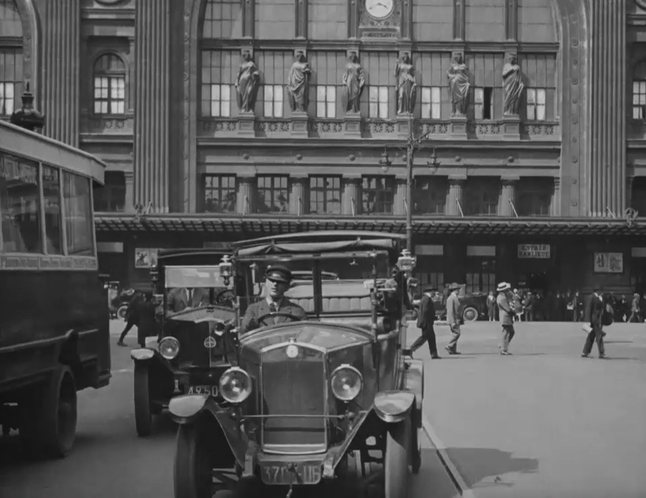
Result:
x=203 y=389
x=298 y=473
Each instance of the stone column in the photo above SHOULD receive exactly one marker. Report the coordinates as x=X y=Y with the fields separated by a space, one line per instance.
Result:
x=246 y=194
x=297 y=193
x=555 y=207
x=129 y=179
x=456 y=183
x=507 y=195
x=351 y=197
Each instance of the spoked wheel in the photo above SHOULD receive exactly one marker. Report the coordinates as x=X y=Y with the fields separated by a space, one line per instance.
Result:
x=48 y=427
x=196 y=455
x=396 y=460
x=143 y=414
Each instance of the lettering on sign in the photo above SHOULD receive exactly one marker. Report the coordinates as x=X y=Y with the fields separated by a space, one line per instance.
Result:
x=534 y=251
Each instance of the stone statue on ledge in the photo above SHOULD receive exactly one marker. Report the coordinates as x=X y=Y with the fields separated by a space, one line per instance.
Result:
x=247 y=83
x=298 y=83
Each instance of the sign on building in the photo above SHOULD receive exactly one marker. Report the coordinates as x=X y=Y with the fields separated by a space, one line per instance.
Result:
x=609 y=262
x=534 y=251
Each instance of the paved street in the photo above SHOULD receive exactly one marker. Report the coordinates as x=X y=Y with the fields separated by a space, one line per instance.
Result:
x=110 y=461
x=543 y=422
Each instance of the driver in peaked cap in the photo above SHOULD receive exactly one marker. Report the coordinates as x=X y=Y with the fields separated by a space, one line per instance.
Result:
x=275 y=307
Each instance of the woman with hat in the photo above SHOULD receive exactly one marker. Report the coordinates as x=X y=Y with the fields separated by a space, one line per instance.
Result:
x=506 y=312
x=277 y=279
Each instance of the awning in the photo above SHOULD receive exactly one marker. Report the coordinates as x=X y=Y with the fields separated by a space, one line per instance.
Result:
x=240 y=227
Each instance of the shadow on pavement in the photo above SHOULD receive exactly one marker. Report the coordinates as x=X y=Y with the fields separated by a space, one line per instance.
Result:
x=478 y=464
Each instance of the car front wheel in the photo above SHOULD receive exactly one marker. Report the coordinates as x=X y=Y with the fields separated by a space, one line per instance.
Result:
x=195 y=458
x=143 y=414
x=470 y=314
x=396 y=459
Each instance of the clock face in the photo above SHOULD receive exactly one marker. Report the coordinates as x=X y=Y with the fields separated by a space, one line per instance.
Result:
x=379 y=9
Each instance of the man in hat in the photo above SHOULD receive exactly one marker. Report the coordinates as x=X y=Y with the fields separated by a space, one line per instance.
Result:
x=277 y=279
x=425 y=320
x=454 y=317
x=597 y=308
x=506 y=312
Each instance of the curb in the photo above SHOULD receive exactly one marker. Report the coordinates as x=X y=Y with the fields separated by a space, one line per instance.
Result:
x=452 y=470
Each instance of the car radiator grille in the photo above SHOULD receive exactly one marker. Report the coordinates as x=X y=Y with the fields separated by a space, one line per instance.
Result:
x=293 y=386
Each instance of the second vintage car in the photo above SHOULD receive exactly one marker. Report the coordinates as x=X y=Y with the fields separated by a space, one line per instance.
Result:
x=300 y=403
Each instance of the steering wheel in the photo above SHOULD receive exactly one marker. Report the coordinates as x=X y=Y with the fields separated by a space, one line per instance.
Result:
x=261 y=319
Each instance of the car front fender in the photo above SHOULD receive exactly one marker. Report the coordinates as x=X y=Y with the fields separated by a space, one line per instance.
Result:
x=186 y=408
x=393 y=406
x=142 y=354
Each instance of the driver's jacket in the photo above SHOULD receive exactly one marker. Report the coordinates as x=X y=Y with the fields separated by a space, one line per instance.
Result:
x=261 y=308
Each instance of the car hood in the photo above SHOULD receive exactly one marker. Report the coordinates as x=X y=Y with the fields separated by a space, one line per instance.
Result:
x=319 y=335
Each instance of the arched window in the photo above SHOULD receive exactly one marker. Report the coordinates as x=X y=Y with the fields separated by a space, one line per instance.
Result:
x=11 y=57
x=639 y=91
x=109 y=85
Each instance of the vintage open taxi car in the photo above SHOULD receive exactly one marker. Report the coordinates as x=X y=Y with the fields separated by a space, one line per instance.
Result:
x=164 y=370
x=301 y=403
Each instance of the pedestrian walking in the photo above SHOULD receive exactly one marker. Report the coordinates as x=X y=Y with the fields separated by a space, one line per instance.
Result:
x=132 y=316
x=517 y=304
x=147 y=326
x=597 y=308
x=491 y=306
x=453 y=317
x=425 y=321
x=635 y=309
x=506 y=312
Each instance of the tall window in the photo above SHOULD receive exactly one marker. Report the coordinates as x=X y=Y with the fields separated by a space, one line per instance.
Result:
x=273 y=66
x=480 y=274
x=481 y=196
x=273 y=102
x=534 y=196
x=11 y=57
x=219 y=193
x=325 y=194
x=326 y=101
x=378 y=193
x=638 y=196
x=217 y=80
x=109 y=85
x=112 y=196
x=536 y=104
x=431 y=102
x=222 y=19
x=483 y=102
x=53 y=215
x=379 y=102
x=429 y=195
x=273 y=194
x=639 y=99
x=78 y=225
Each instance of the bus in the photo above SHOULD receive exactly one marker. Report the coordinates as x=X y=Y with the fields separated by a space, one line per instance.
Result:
x=54 y=330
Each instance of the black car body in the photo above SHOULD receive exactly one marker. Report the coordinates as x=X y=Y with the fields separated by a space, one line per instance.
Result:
x=301 y=402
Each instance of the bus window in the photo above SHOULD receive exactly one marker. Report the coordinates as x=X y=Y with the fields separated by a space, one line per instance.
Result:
x=76 y=192
x=52 y=200
x=19 y=205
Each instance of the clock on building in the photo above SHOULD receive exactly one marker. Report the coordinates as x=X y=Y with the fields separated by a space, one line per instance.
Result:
x=379 y=9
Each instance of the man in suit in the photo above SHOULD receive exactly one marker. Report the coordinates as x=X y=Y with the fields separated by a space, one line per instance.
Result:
x=454 y=317
x=277 y=279
x=597 y=307
x=506 y=312
x=425 y=320
x=181 y=298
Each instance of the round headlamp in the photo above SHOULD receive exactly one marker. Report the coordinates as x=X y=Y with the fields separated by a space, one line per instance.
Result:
x=235 y=385
x=169 y=347
x=346 y=383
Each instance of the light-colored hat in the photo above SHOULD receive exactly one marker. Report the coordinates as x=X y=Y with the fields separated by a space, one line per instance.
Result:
x=503 y=286
x=453 y=286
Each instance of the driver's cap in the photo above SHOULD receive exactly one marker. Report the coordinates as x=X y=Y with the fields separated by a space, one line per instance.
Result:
x=278 y=273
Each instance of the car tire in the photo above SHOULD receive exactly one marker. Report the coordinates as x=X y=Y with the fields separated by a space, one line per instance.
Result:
x=48 y=416
x=396 y=459
x=122 y=311
x=143 y=412
x=470 y=314
x=195 y=457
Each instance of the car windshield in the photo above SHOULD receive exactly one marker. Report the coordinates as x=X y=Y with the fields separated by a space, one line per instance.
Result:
x=192 y=286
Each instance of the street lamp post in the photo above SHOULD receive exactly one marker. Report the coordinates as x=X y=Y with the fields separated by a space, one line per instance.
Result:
x=412 y=142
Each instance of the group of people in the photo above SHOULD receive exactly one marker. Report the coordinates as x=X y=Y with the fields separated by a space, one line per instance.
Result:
x=509 y=306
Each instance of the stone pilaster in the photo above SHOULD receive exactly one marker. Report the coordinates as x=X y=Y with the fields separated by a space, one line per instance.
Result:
x=152 y=103
x=555 y=207
x=297 y=195
x=507 y=195
x=246 y=194
x=456 y=185
x=608 y=98
x=60 y=70
x=351 y=197
x=129 y=179
x=401 y=203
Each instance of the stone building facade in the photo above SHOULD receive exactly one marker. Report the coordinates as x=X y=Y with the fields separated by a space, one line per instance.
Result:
x=226 y=119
